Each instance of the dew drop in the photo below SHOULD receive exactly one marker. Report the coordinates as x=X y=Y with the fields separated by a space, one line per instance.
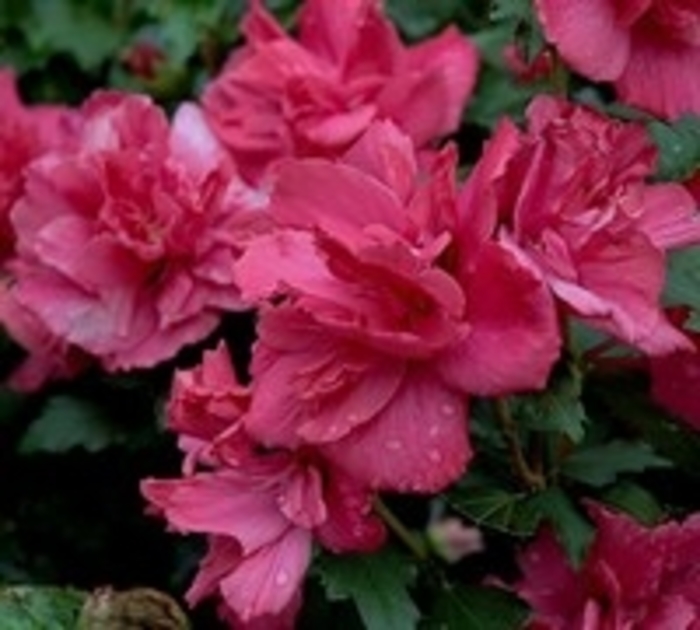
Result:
x=393 y=445
x=448 y=410
x=434 y=455
x=352 y=418
x=282 y=578
x=434 y=430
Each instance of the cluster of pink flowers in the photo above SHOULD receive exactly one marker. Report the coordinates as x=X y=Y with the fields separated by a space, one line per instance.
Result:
x=309 y=185
x=632 y=577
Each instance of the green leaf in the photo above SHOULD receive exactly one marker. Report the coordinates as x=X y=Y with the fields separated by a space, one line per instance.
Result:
x=418 y=19
x=635 y=500
x=377 y=583
x=67 y=422
x=558 y=409
x=600 y=465
x=683 y=278
x=573 y=530
x=62 y=26
x=629 y=404
x=477 y=608
x=39 y=608
x=679 y=147
x=496 y=508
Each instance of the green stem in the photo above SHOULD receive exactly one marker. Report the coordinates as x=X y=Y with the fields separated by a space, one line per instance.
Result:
x=533 y=480
x=413 y=542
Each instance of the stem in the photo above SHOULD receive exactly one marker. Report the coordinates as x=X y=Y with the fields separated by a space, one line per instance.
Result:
x=413 y=542
x=531 y=479
x=560 y=75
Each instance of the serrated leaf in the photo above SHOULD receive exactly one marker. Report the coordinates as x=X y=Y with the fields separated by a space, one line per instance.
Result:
x=600 y=465
x=496 y=508
x=39 y=608
x=679 y=147
x=67 y=422
x=477 y=608
x=377 y=583
x=683 y=278
x=635 y=500
x=61 y=26
x=629 y=404
x=572 y=528
x=558 y=409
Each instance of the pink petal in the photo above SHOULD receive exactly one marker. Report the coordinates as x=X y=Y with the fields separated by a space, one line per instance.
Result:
x=223 y=556
x=219 y=504
x=301 y=501
x=669 y=216
x=656 y=77
x=418 y=443
x=572 y=26
x=514 y=338
x=300 y=199
x=428 y=101
x=265 y=582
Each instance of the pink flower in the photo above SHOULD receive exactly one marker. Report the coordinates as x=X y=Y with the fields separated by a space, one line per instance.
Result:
x=395 y=307
x=261 y=511
x=572 y=194
x=48 y=357
x=278 y=96
x=25 y=133
x=125 y=245
x=648 y=49
x=633 y=578
x=675 y=378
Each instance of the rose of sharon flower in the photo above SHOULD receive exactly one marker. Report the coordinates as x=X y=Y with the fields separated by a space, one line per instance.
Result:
x=393 y=307
x=261 y=511
x=315 y=95
x=25 y=133
x=125 y=245
x=648 y=49
x=572 y=194
x=633 y=578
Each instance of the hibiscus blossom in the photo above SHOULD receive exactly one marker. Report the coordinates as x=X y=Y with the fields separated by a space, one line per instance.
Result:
x=633 y=577
x=315 y=95
x=261 y=511
x=649 y=50
x=125 y=243
x=25 y=133
x=572 y=194
x=394 y=308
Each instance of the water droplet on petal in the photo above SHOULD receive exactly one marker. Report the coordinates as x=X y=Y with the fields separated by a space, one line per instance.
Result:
x=434 y=455
x=394 y=445
x=352 y=418
x=434 y=430
x=448 y=410
x=282 y=578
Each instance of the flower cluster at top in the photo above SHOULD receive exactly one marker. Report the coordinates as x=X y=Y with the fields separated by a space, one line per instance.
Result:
x=310 y=184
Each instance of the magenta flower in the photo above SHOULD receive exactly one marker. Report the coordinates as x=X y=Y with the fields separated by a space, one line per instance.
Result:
x=261 y=511
x=316 y=95
x=396 y=307
x=633 y=578
x=649 y=49
x=572 y=194
x=25 y=134
x=125 y=245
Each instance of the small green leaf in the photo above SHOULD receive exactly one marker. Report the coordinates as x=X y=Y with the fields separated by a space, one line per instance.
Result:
x=679 y=147
x=477 y=608
x=496 y=508
x=683 y=278
x=67 y=422
x=600 y=465
x=573 y=530
x=418 y=19
x=635 y=500
x=377 y=583
x=557 y=410
x=39 y=608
